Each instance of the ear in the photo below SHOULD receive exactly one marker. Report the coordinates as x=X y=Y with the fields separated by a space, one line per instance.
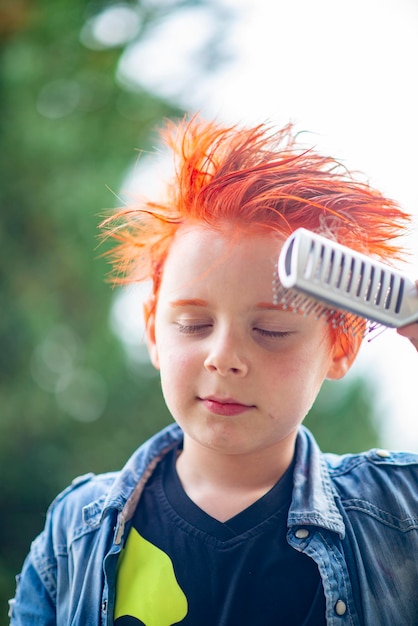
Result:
x=151 y=342
x=344 y=353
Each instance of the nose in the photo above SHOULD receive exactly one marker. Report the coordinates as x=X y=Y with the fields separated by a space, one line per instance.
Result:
x=225 y=355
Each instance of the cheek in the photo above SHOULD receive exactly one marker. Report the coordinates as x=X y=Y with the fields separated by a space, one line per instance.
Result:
x=178 y=368
x=174 y=356
x=302 y=374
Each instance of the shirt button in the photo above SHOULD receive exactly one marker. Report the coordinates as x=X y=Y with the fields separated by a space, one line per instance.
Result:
x=384 y=454
x=340 y=607
x=302 y=533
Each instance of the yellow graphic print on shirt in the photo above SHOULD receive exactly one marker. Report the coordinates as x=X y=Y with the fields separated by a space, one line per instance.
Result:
x=146 y=586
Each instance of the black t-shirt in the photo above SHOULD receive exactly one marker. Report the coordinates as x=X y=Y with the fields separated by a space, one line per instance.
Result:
x=182 y=566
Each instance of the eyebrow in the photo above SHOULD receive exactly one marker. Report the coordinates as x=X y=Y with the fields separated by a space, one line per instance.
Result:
x=188 y=302
x=269 y=306
x=263 y=306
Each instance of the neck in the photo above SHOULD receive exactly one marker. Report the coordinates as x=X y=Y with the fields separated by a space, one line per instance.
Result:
x=223 y=485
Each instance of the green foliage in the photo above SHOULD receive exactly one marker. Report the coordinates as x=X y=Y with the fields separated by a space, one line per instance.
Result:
x=342 y=417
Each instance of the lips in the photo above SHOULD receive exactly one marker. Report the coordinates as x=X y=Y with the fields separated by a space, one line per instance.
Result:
x=225 y=406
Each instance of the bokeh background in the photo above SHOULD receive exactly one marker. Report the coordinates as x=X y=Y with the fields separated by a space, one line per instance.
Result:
x=83 y=88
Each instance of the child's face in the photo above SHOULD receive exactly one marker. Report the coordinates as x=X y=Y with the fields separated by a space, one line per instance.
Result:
x=238 y=374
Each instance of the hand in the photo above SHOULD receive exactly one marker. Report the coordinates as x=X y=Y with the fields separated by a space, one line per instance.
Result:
x=411 y=330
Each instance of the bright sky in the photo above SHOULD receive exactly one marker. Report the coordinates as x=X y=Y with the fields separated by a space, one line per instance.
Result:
x=345 y=71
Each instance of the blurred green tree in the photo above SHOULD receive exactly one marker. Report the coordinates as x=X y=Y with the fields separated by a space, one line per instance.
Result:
x=343 y=418
x=70 y=399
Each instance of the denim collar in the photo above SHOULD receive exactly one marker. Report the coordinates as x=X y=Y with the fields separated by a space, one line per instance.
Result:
x=314 y=496
x=313 y=501
x=128 y=484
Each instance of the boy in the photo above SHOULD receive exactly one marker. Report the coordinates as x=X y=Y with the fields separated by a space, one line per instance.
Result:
x=232 y=515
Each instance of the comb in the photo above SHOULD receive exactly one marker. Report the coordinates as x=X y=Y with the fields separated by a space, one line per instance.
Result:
x=317 y=274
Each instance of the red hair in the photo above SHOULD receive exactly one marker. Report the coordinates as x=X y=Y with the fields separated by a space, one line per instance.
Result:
x=257 y=179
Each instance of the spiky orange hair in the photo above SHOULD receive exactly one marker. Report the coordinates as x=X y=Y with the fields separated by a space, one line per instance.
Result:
x=257 y=179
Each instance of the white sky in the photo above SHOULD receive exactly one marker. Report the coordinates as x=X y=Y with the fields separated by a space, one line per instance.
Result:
x=347 y=72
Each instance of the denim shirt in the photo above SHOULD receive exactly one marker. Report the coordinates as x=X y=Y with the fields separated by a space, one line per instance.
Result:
x=355 y=515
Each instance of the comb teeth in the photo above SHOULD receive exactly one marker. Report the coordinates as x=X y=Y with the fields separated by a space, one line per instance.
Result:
x=303 y=304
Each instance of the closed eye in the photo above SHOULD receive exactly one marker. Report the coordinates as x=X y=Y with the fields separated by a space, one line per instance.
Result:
x=273 y=334
x=193 y=329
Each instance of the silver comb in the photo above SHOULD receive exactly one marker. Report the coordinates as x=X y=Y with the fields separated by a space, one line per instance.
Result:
x=334 y=276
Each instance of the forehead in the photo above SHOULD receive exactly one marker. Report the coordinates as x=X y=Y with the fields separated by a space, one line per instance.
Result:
x=198 y=249
x=224 y=264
